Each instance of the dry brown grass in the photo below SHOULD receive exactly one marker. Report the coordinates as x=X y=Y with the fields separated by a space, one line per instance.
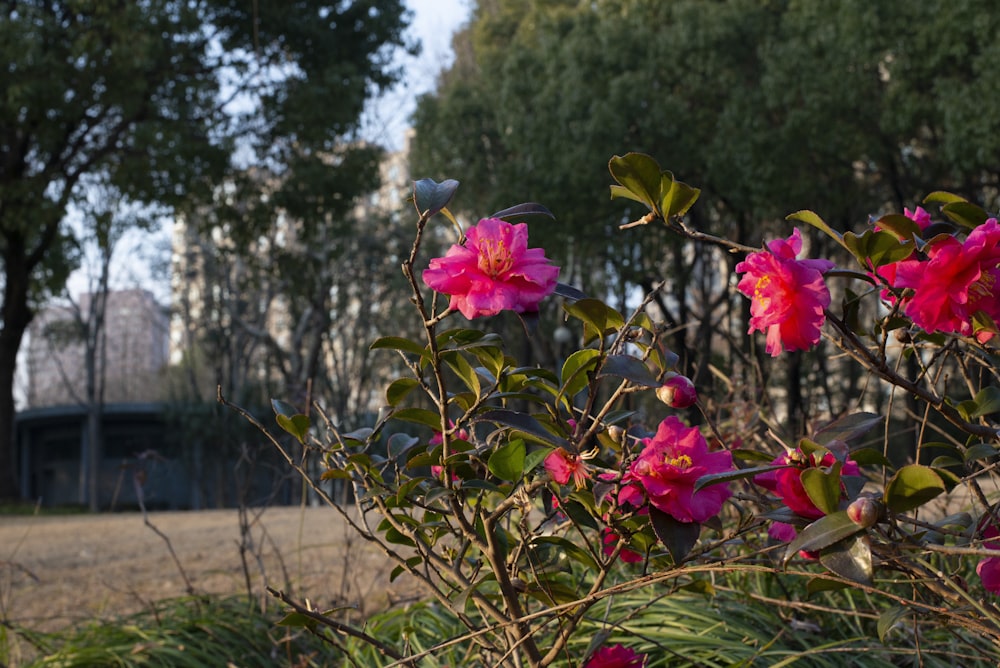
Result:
x=58 y=570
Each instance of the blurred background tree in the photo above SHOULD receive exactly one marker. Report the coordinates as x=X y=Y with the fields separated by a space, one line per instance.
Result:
x=161 y=102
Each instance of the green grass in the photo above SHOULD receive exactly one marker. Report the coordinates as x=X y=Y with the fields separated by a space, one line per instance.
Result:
x=197 y=632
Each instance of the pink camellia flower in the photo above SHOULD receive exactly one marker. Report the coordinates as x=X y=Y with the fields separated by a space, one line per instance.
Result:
x=494 y=271
x=955 y=282
x=787 y=482
x=787 y=296
x=988 y=569
x=668 y=467
x=888 y=271
x=438 y=439
x=563 y=465
x=616 y=656
x=677 y=391
x=610 y=540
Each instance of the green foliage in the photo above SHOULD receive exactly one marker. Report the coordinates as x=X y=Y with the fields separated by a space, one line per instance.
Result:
x=199 y=632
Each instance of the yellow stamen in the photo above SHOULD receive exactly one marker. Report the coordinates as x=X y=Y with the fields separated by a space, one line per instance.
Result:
x=681 y=462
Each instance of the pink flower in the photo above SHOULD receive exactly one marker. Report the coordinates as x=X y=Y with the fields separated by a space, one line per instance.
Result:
x=787 y=296
x=988 y=569
x=888 y=271
x=438 y=439
x=494 y=271
x=955 y=282
x=677 y=391
x=616 y=656
x=610 y=540
x=667 y=469
x=563 y=465
x=787 y=482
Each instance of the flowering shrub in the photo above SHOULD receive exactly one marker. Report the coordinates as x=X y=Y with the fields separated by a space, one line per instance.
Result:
x=552 y=499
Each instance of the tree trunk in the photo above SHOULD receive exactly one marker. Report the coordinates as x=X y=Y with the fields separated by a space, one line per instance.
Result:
x=16 y=317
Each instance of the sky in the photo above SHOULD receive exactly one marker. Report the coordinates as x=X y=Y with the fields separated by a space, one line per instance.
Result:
x=434 y=22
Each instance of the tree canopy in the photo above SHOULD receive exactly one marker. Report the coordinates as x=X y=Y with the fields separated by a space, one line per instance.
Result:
x=158 y=100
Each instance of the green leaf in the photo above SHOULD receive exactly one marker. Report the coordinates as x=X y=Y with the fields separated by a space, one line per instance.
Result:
x=599 y=318
x=847 y=428
x=569 y=292
x=678 y=537
x=397 y=343
x=965 y=214
x=675 y=197
x=942 y=197
x=399 y=444
x=911 y=487
x=573 y=551
x=739 y=474
x=297 y=619
x=980 y=451
x=823 y=487
x=880 y=248
x=811 y=218
x=818 y=585
x=536 y=457
x=507 y=462
x=900 y=226
x=888 y=620
x=630 y=368
x=574 y=372
x=457 y=363
x=824 y=532
x=419 y=416
x=398 y=389
x=282 y=408
x=639 y=177
x=521 y=422
x=297 y=426
x=526 y=209
x=987 y=401
x=430 y=196
x=850 y=558
x=869 y=457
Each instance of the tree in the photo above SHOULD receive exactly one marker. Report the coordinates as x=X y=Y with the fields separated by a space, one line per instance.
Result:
x=848 y=108
x=153 y=98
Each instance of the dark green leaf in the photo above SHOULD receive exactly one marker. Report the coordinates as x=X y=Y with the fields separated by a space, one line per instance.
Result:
x=639 y=177
x=888 y=620
x=678 y=537
x=824 y=532
x=966 y=214
x=980 y=451
x=600 y=318
x=574 y=371
x=397 y=343
x=526 y=209
x=675 y=197
x=911 y=487
x=847 y=428
x=571 y=550
x=535 y=457
x=419 y=416
x=900 y=226
x=523 y=423
x=869 y=457
x=507 y=462
x=739 y=474
x=430 y=196
x=398 y=444
x=850 y=558
x=569 y=292
x=987 y=402
x=630 y=368
x=818 y=585
x=398 y=389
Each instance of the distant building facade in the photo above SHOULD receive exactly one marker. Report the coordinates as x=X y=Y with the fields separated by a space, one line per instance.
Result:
x=131 y=359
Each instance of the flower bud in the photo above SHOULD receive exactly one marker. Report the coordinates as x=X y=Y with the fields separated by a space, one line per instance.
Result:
x=616 y=433
x=864 y=511
x=677 y=391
